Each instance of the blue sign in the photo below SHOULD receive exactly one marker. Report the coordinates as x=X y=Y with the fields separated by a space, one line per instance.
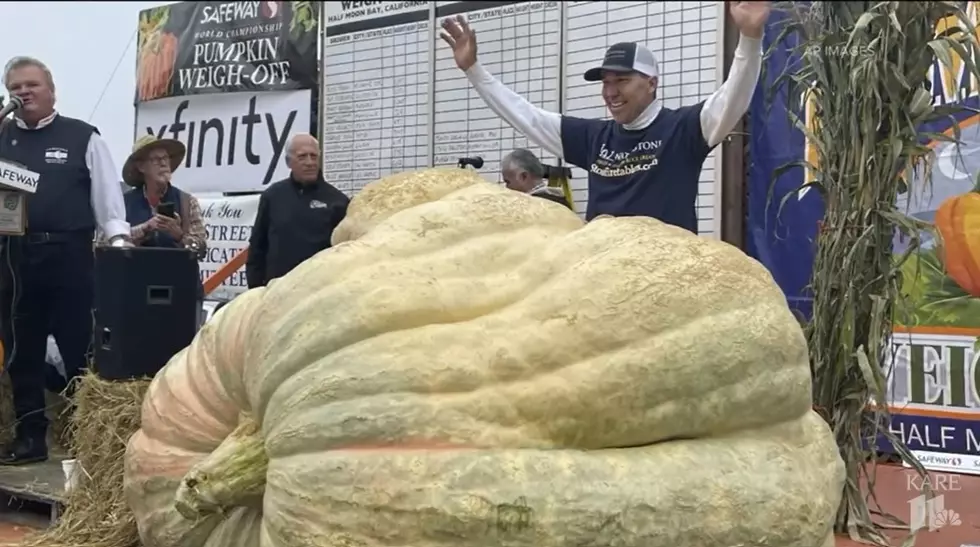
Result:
x=782 y=240
x=950 y=434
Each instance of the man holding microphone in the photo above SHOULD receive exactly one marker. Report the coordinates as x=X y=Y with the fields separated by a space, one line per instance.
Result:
x=647 y=160
x=46 y=277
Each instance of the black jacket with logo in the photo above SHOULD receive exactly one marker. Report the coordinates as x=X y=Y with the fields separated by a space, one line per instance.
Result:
x=293 y=223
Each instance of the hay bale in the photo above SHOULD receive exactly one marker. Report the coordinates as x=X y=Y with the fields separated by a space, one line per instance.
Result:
x=96 y=513
x=55 y=406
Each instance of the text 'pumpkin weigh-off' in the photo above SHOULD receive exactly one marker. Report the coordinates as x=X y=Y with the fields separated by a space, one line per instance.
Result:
x=474 y=367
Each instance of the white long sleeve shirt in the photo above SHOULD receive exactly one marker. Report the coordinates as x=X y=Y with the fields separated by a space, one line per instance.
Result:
x=641 y=168
x=721 y=112
x=106 y=196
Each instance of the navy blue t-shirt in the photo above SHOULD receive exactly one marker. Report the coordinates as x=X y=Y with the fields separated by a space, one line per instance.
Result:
x=650 y=172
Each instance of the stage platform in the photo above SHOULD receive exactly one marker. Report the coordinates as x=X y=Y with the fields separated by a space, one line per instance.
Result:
x=35 y=492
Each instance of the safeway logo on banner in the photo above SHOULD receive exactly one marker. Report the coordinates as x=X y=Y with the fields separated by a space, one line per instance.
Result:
x=229 y=224
x=235 y=141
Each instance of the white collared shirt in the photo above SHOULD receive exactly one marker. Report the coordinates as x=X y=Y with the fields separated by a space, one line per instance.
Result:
x=107 y=199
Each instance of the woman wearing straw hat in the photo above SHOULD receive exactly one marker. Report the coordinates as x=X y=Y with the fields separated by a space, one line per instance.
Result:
x=149 y=170
x=161 y=215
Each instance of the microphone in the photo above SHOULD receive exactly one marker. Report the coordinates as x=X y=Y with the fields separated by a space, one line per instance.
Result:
x=476 y=162
x=15 y=104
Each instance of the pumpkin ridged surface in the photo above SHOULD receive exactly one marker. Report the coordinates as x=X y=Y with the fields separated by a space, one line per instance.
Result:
x=463 y=346
x=670 y=494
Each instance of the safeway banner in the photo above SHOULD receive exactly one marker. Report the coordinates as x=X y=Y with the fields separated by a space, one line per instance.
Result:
x=934 y=363
x=235 y=141
x=193 y=48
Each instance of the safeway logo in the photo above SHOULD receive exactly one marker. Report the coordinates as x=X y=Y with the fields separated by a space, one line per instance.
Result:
x=18 y=178
x=270 y=10
x=934 y=459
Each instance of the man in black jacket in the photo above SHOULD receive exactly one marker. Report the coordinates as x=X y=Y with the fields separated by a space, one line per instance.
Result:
x=523 y=172
x=296 y=216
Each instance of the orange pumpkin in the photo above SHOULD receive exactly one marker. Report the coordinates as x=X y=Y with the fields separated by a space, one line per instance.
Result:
x=958 y=222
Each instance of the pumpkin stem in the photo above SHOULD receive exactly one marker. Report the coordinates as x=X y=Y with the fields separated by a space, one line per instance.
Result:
x=231 y=476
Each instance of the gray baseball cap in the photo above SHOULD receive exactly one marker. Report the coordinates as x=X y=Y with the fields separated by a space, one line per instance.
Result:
x=625 y=57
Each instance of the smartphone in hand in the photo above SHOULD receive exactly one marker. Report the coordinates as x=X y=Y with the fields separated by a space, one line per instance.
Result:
x=166 y=209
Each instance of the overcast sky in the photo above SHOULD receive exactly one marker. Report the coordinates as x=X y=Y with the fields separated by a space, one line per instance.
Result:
x=82 y=42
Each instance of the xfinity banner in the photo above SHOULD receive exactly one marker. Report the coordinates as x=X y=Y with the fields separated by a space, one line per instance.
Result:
x=194 y=48
x=235 y=141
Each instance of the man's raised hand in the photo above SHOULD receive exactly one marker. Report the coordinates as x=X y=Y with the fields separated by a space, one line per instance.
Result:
x=458 y=34
x=750 y=17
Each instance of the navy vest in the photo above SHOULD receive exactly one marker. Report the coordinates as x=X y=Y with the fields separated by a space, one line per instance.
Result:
x=138 y=211
x=57 y=151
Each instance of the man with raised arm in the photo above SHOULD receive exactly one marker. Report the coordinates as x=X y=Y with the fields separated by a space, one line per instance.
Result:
x=647 y=160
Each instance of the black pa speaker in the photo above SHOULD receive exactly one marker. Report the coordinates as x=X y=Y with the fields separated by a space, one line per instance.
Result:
x=145 y=308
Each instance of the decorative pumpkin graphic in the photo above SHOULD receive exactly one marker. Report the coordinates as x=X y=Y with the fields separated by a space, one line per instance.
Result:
x=157 y=54
x=958 y=222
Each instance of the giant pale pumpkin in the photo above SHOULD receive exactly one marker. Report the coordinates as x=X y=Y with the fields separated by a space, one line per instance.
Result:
x=474 y=367
x=958 y=222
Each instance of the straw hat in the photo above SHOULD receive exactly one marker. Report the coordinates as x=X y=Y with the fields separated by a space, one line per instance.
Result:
x=132 y=176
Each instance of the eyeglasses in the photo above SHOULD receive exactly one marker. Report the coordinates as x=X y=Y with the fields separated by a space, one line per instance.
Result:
x=159 y=160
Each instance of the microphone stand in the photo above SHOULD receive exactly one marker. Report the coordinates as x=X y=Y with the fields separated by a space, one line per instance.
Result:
x=7 y=243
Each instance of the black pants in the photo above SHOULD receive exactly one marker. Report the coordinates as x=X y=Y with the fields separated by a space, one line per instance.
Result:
x=48 y=285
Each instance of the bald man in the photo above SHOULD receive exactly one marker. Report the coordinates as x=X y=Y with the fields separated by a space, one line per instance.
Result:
x=296 y=216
